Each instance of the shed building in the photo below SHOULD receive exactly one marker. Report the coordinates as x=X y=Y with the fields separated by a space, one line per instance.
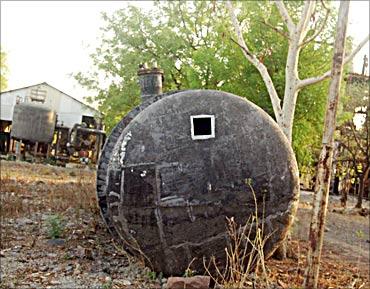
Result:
x=68 y=109
x=44 y=97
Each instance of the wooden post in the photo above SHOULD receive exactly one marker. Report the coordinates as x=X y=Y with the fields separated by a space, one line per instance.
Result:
x=35 y=149
x=97 y=147
x=48 y=151
x=11 y=146
x=18 y=150
x=57 y=144
x=321 y=196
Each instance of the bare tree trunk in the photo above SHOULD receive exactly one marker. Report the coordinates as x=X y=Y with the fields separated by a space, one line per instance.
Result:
x=345 y=189
x=367 y=183
x=321 y=195
x=360 y=193
x=361 y=190
x=344 y=198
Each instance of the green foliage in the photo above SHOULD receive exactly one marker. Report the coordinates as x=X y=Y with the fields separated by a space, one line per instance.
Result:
x=107 y=285
x=3 y=71
x=55 y=226
x=189 y=273
x=152 y=275
x=67 y=256
x=360 y=234
x=191 y=42
x=352 y=137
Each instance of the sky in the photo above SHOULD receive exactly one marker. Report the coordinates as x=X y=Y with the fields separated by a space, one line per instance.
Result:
x=47 y=41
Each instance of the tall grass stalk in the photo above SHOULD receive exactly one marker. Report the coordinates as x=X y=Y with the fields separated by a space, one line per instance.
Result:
x=244 y=255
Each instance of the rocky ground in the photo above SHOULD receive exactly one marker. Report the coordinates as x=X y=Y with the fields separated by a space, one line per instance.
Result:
x=52 y=236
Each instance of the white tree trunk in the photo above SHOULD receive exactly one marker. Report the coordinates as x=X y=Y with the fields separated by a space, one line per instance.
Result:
x=284 y=114
x=291 y=92
x=320 y=201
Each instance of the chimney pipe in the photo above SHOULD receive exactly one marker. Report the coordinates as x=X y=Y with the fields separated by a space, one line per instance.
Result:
x=150 y=80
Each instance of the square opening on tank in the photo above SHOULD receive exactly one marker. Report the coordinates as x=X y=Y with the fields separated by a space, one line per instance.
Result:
x=202 y=126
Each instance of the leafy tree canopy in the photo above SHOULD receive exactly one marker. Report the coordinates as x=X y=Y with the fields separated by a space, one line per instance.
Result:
x=353 y=134
x=191 y=42
x=3 y=71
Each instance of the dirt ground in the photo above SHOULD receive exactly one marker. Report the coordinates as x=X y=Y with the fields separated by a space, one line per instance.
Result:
x=345 y=257
x=52 y=236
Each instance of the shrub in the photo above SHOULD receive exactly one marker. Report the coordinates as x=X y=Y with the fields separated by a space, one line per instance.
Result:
x=55 y=226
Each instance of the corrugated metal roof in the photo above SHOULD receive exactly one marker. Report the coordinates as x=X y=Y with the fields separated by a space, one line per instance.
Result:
x=45 y=83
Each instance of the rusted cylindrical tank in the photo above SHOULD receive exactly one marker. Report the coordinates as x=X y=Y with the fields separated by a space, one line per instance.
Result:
x=33 y=122
x=176 y=166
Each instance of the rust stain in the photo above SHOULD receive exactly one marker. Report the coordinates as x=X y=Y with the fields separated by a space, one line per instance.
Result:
x=313 y=241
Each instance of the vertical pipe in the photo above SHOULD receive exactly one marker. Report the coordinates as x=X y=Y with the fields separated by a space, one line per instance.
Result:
x=150 y=80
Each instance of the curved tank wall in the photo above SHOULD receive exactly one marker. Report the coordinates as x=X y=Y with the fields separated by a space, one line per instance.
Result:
x=33 y=122
x=170 y=185
x=101 y=175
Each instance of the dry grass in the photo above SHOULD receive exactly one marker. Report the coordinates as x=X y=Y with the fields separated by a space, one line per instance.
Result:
x=245 y=260
x=44 y=189
x=26 y=189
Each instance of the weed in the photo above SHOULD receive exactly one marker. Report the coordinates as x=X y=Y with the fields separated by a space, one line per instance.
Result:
x=107 y=285
x=360 y=234
x=189 y=272
x=152 y=275
x=67 y=256
x=55 y=226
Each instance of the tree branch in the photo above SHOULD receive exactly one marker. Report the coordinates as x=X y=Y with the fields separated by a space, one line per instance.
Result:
x=285 y=15
x=348 y=149
x=353 y=129
x=319 y=30
x=189 y=38
x=244 y=49
x=302 y=26
x=238 y=32
x=282 y=33
x=313 y=80
x=257 y=64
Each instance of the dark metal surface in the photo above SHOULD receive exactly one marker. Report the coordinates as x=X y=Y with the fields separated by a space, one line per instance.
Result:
x=33 y=122
x=167 y=196
x=101 y=179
